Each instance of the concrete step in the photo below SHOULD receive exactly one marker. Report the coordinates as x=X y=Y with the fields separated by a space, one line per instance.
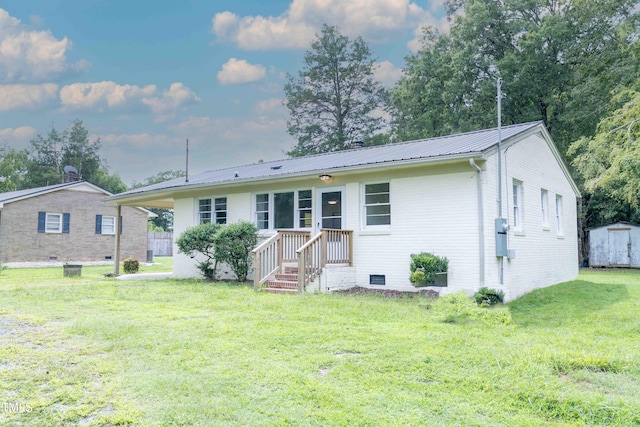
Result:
x=290 y=270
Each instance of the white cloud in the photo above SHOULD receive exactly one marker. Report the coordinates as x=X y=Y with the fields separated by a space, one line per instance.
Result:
x=239 y=71
x=18 y=137
x=26 y=96
x=387 y=73
x=139 y=141
x=270 y=107
x=27 y=55
x=375 y=20
x=101 y=94
x=165 y=106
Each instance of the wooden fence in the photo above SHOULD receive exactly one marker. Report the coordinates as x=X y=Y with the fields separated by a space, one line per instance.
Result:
x=160 y=243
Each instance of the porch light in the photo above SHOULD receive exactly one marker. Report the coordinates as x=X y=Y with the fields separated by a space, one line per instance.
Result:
x=325 y=178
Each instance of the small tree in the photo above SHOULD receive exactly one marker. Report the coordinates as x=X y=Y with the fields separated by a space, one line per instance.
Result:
x=201 y=239
x=234 y=244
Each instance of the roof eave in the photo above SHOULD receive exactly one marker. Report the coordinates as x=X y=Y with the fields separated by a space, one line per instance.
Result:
x=169 y=193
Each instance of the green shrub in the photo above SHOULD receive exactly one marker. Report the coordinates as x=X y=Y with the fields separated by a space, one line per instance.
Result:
x=234 y=244
x=131 y=265
x=486 y=297
x=418 y=277
x=201 y=239
x=231 y=244
x=428 y=264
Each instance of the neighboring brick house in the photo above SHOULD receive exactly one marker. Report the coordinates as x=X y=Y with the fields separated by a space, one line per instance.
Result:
x=68 y=222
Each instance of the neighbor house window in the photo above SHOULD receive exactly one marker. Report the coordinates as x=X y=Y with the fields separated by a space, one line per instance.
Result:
x=518 y=205
x=108 y=225
x=544 y=207
x=284 y=210
x=377 y=204
x=212 y=210
x=53 y=222
x=559 y=214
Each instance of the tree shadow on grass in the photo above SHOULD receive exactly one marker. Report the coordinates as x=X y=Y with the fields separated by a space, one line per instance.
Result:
x=566 y=303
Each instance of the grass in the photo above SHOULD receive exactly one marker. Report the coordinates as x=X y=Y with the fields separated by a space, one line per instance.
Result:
x=96 y=351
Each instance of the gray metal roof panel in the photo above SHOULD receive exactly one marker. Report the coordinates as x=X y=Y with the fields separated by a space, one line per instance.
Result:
x=11 y=195
x=465 y=143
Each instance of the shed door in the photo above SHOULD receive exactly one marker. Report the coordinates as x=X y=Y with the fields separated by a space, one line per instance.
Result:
x=619 y=246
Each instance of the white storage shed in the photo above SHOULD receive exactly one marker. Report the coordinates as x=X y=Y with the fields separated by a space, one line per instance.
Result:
x=615 y=245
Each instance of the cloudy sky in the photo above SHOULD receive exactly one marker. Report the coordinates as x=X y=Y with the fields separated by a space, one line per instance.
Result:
x=144 y=76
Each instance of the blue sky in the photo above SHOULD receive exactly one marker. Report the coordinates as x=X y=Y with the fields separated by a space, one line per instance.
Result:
x=144 y=76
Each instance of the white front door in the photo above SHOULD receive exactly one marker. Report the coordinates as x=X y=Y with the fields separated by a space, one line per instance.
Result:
x=330 y=208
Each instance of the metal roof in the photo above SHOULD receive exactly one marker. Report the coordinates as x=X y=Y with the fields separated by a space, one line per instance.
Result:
x=431 y=148
x=12 y=195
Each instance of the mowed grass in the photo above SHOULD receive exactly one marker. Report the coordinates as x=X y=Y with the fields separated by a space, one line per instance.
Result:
x=96 y=351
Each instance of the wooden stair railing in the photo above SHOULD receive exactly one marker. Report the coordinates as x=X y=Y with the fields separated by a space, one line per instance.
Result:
x=326 y=247
x=270 y=254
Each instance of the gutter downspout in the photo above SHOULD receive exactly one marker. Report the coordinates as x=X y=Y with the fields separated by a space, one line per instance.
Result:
x=480 y=220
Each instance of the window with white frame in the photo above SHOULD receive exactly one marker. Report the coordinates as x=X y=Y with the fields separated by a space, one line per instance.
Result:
x=212 y=210
x=53 y=223
x=262 y=211
x=220 y=210
x=544 y=207
x=284 y=210
x=559 y=214
x=518 y=205
x=304 y=209
x=377 y=204
x=108 y=224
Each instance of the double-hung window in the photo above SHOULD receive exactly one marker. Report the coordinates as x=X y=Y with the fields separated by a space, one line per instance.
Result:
x=284 y=210
x=377 y=204
x=518 y=205
x=559 y=229
x=304 y=209
x=212 y=210
x=544 y=207
x=108 y=225
x=262 y=211
x=53 y=223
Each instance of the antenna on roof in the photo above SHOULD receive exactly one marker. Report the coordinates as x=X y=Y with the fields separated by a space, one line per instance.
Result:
x=186 y=172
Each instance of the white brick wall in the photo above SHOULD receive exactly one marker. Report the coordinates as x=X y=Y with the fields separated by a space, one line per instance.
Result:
x=542 y=257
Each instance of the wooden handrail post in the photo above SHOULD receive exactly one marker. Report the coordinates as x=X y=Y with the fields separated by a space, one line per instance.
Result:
x=256 y=270
x=350 y=248
x=301 y=270
x=325 y=234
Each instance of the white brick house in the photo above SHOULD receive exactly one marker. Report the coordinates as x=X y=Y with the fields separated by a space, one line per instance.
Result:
x=436 y=195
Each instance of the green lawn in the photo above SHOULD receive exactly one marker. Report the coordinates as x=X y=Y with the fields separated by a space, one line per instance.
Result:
x=96 y=351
